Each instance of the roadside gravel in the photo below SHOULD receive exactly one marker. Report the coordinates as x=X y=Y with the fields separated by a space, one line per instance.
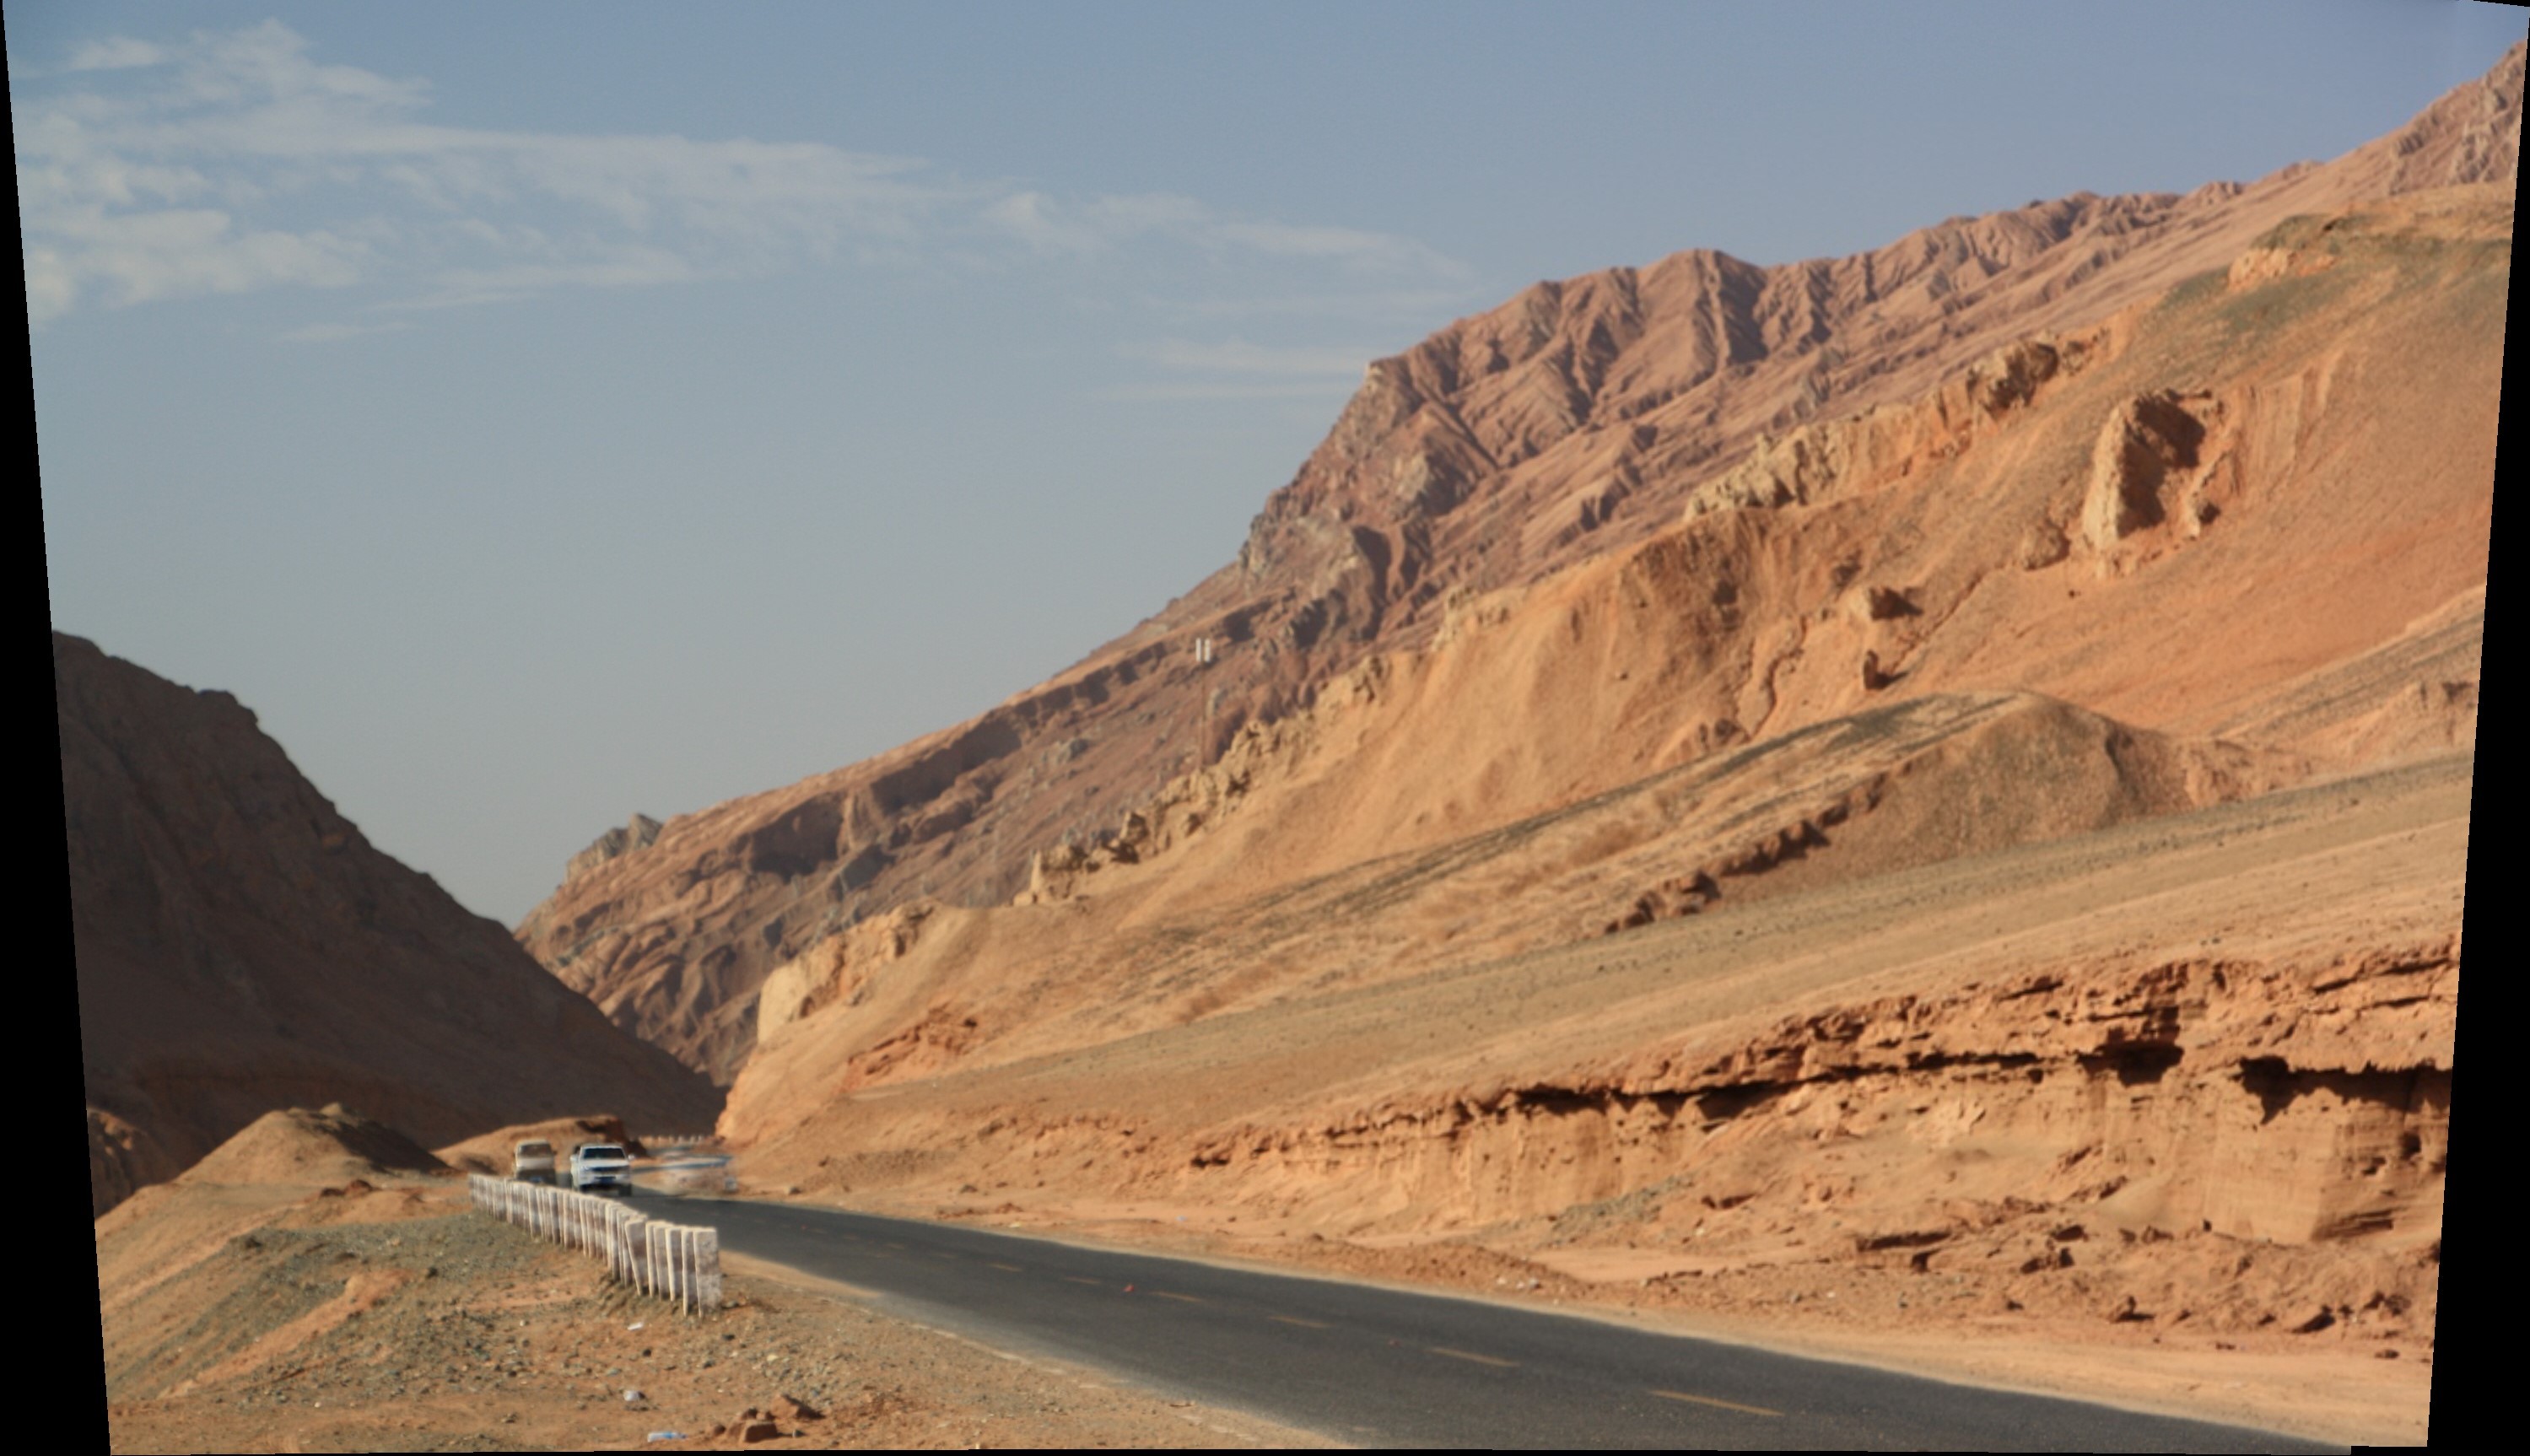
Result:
x=425 y=1327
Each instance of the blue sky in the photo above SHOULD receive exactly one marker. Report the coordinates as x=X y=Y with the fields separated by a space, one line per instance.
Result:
x=543 y=412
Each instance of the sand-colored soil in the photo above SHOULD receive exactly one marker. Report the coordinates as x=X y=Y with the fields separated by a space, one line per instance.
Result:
x=2177 y=1086
x=383 y=1314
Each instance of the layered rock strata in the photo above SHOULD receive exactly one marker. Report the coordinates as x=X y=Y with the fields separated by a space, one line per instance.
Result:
x=1577 y=420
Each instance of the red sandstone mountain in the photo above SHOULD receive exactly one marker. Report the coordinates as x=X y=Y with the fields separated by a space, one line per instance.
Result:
x=1568 y=426
x=1990 y=867
x=2231 y=540
x=242 y=949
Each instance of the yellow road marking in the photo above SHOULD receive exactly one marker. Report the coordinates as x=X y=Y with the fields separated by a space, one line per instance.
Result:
x=1013 y=1268
x=1184 y=1298
x=893 y=1244
x=1471 y=1355
x=1707 y=1400
x=1297 y=1319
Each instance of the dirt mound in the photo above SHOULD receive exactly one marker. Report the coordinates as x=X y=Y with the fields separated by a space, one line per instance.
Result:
x=331 y=1145
x=494 y=1151
x=1581 y=422
x=241 y=948
x=121 y=1159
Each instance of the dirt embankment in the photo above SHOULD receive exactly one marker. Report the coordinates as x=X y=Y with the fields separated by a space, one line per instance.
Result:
x=2295 y=1104
x=2088 y=1114
x=280 y=1312
x=293 y=1145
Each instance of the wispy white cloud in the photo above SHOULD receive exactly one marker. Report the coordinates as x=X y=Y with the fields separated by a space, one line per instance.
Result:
x=1402 y=304
x=336 y=333
x=1233 y=368
x=629 y=266
x=134 y=257
x=1179 y=390
x=1350 y=246
x=349 y=184
x=1239 y=356
x=1096 y=225
x=236 y=161
x=117 y=54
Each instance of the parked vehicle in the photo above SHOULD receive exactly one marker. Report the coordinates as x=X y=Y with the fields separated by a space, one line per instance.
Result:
x=532 y=1161
x=601 y=1168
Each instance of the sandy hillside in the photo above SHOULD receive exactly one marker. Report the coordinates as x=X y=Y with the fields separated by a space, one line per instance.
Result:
x=1573 y=425
x=299 y=1290
x=1684 y=727
x=1998 y=855
x=241 y=948
x=2158 y=1112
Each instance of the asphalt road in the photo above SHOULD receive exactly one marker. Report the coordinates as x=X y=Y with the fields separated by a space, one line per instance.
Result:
x=1371 y=1366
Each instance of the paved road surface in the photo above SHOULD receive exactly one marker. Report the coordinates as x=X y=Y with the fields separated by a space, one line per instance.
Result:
x=1375 y=1366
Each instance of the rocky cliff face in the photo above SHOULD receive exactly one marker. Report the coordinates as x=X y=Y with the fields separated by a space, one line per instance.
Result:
x=1573 y=423
x=241 y=948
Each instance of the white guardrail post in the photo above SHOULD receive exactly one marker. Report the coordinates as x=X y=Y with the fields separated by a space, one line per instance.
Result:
x=676 y=1261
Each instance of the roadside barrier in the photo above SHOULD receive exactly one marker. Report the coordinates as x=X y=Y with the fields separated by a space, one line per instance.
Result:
x=677 y=1261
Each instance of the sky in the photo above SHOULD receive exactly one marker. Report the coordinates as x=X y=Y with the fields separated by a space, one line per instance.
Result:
x=542 y=413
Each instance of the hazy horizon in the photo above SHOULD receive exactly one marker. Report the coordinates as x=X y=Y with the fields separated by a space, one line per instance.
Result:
x=541 y=417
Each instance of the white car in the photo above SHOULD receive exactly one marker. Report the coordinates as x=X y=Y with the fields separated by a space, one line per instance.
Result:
x=601 y=1168
x=532 y=1161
